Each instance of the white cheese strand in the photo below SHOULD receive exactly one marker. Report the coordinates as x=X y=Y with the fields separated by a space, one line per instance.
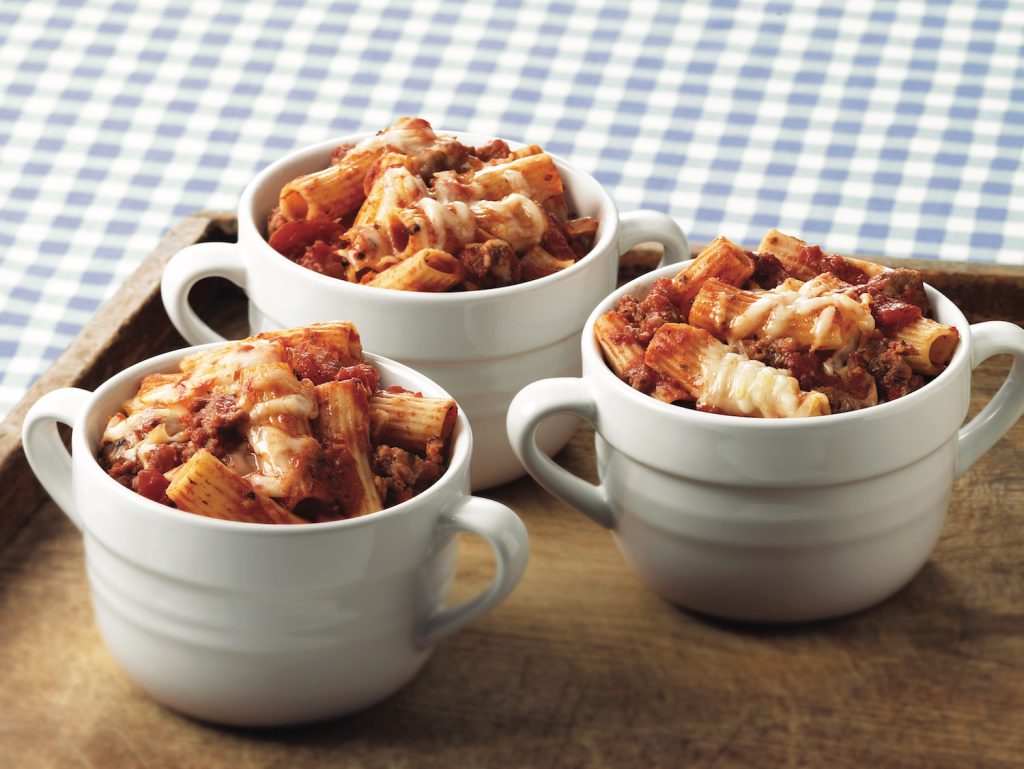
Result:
x=773 y=313
x=449 y=218
x=733 y=383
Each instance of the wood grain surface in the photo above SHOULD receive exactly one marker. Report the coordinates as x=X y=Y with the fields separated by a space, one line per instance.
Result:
x=582 y=666
x=130 y=327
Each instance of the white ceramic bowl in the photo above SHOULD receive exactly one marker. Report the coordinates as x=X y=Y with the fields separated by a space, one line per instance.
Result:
x=257 y=624
x=773 y=520
x=482 y=346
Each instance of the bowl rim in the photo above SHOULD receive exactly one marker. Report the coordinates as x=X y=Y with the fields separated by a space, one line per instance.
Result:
x=457 y=465
x=248 y=221
x=593 y=360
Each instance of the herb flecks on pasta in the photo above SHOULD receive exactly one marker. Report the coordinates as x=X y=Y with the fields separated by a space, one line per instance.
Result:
x=412 y=210
x=785 y=332
x=284 y=427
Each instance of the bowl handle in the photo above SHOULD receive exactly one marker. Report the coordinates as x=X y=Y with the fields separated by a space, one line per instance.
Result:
x=647 y=226
x=999 y=415
x=45 y=451
x=502 y=529
x=531 y=406
x=184 y=270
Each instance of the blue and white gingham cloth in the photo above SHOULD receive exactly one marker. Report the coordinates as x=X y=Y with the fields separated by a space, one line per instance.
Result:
x=871 y=127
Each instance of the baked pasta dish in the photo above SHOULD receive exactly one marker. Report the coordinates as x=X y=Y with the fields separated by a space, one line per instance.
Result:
x=284 y=427
x=413 y=210
x=789 y=331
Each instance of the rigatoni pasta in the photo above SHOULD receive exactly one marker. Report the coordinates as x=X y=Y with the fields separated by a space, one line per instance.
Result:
x=284 y=427
x=721 y=259
x=338 y=189
x=206 y=486
x=813 y=315
x=428 y=270
x=279 y=407
x=410 y=420
x=933 y=344
x=805 y=262
x=724 y=381
x=343 y=429
x=538 y=263
x=783 y=333
x=406 y=190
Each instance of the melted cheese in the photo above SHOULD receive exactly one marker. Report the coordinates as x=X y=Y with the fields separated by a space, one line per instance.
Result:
x=135 y=437
x=516 y=181
x=837 y=363
x=448 y=189
x=406 y=140
x=401 y=189
x=279 y=409
x=522 y=220
x=274 y=450
x=293 y=405
x=252 y=354
x=744 y=387
x=497 y=168
x=219 y=369
x=156 y=391
x=241 y=460
x=773 y=314
x=822 y=324
x=450 y=221
x=409 y=140
x=368 y=247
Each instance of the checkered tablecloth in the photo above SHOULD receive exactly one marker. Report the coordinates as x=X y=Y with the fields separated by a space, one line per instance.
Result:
x=871 y=127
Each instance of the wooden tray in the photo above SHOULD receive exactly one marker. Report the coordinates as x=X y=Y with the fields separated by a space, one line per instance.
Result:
x=582 y=666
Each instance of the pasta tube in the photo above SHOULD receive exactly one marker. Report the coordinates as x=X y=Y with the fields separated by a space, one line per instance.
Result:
x=620 y=346
x=431 y=224
x=340 y=337
x=516 y=219
x=206 y=486
x=815 y=320
x=805 y=264
x=725 y=381
x=426 y=270
x=525 y=152
x=933 y=343
x=409 y=421
x=581 y=234
x=534 y=176
x=721 y=259
x=280 y=408
x=557 y=208
x=393 y=188
x=338 y=189
x=625 y=355
x=538 y=263
x=343 y=427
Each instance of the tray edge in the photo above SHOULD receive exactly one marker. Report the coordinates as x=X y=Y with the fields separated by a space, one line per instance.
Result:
x=85 y=362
